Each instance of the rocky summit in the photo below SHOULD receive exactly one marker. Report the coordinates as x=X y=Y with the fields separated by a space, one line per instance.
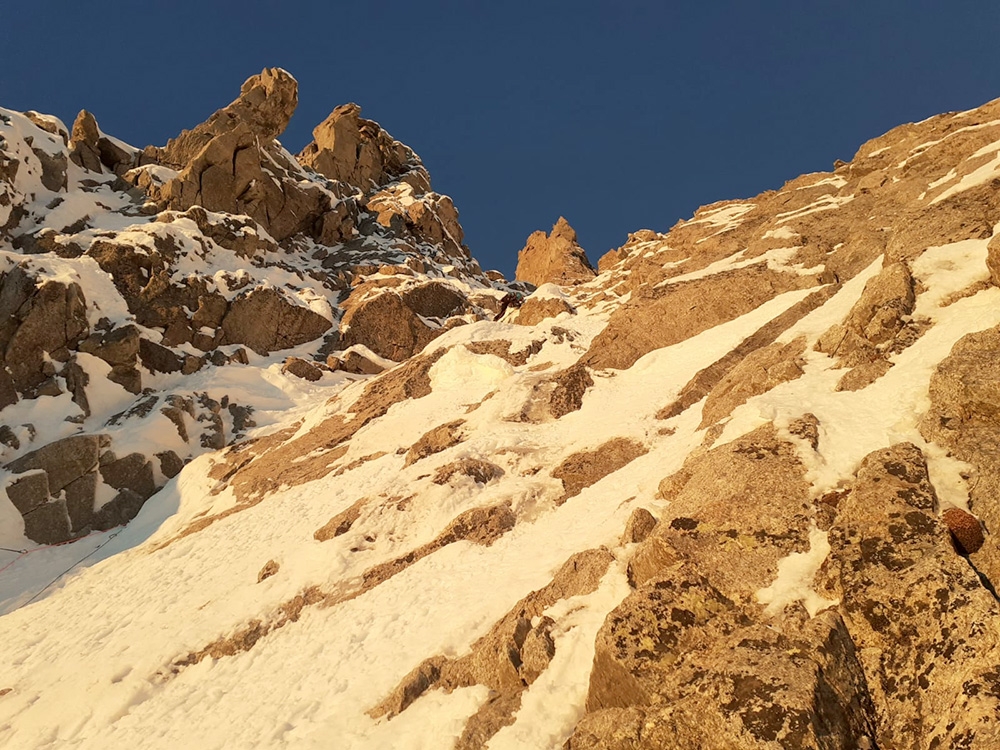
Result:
x=273 y=475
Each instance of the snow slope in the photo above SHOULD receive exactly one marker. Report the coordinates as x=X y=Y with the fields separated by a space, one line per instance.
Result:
x=91 y=663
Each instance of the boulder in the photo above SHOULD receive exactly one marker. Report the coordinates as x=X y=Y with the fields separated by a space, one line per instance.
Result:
x=570 y=387
x=119 y=511
x=534 y=310
x=863 y=375
x=158 y=358
x=54 y=166
x=170 y=463
x=555 y=257
x=267 y=321
x=29 y=491
x=387 y=326
x=355 y=362
x=640 y=523
x=117 y=346
x=63 y=461
x=300 y=368
x=133 y=472
x=48 y=523
x=735 y=511
x=80 y=494
x=434 y=299
x=965 y=529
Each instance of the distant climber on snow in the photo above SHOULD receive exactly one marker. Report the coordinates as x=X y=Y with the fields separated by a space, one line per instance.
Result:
x=511 y=299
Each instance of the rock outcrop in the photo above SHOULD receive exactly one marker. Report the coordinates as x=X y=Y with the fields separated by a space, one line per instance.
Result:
x=964 y=417
x=925 y=628
x=349 y=149
x=554 y=258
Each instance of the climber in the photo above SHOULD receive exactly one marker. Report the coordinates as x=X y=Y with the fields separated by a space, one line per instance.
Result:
x=511 y=299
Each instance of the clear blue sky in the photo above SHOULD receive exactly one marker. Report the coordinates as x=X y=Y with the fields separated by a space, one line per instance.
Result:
x=618 y=115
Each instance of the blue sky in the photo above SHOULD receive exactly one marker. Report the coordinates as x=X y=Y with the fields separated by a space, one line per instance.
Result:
x=617 y=115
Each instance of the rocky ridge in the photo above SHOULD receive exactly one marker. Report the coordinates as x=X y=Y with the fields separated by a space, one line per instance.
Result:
x=737 y=490
x=141 y=267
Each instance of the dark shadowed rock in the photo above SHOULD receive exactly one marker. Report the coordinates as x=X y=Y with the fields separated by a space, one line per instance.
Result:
x=123 y=508
x=63 y=460
x=158 y=358
x=133 y=472
x=80 y=495
x=48 y=523
x=118 y=346
x=29 y=491
x=170 y=463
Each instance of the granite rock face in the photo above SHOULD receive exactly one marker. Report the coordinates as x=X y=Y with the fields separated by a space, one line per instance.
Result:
x=926 y=628
x=555 y=258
